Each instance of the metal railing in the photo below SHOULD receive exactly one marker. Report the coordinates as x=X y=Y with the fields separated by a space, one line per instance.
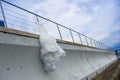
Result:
x=22 y=19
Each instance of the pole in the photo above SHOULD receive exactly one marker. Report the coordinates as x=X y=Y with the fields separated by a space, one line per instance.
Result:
x=3 y=14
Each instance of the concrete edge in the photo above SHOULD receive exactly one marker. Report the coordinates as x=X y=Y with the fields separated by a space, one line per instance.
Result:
x=31 y=35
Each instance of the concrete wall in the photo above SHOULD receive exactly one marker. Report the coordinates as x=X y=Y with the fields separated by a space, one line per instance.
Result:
x=19 y=60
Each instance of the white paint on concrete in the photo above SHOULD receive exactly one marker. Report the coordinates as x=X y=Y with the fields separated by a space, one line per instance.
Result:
x=19 y=60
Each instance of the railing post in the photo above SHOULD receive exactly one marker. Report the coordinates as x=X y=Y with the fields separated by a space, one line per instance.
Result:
x=95 y=43
x=3 y=14
x=100 y=45
x=86 y=41
x=91 y=41
x=71 y=35
x=59 y=32
x=80 y=38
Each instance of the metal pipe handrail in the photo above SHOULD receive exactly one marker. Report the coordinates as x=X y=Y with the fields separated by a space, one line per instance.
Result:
x=42 y=17
x=92 y=42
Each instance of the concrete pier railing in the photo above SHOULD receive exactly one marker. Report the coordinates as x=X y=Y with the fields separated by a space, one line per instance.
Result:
x=19 y=59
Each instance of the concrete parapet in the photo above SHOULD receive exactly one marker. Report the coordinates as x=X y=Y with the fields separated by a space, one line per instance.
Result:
x=19 y=60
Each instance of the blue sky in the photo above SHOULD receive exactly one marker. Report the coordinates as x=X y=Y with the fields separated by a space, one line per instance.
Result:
x=99 y=19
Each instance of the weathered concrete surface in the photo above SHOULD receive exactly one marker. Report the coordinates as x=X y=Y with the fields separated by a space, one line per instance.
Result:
x=19 y=60
x=110 y=73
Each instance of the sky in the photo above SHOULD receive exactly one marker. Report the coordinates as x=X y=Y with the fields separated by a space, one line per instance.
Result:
x=98 y=19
